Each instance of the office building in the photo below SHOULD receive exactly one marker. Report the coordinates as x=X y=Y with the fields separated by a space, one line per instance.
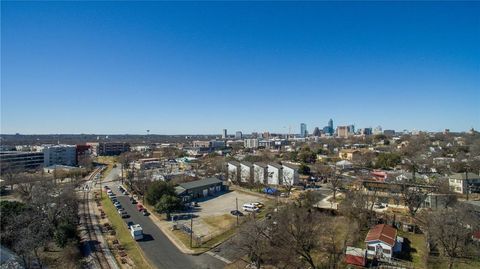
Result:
x=342 y=131
x=224 y=134
x=19 y=161
x=351 y=129
x=251 y=143
x=238 y=135
x=377 y=130
x=109 y=148
x=389 y=132
x=330 y=126
x=59 y=154
x=303 y=130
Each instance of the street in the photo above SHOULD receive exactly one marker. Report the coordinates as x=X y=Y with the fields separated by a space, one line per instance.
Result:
x=155 y=245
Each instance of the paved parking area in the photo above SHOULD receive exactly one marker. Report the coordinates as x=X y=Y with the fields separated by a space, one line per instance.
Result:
x=225 y=203
x=213 y=214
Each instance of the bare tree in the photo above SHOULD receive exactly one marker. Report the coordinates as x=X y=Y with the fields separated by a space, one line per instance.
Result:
x=254 y=239
x=452 y=230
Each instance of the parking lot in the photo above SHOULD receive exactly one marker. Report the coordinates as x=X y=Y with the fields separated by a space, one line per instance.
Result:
x=212 y=216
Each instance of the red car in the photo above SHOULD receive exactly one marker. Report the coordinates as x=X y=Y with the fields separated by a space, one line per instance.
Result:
x=140 y=207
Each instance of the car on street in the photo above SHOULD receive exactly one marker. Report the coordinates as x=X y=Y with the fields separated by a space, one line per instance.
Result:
x=120 y=210
x=140 y=207
x=125 y=215
x=145 y=212
x=130 y=224
x=133 y=201
x=236 y=213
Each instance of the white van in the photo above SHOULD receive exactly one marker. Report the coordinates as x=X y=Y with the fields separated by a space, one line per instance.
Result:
x=136 y=231
x=250 y=208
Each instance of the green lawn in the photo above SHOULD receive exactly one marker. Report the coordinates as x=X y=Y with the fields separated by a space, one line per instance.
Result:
x=418 y=249
x=123 y=234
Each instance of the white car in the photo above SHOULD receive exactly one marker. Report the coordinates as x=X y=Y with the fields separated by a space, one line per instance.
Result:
x=250 y=208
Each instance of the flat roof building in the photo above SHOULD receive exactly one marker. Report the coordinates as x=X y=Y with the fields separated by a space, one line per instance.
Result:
x=20 y=161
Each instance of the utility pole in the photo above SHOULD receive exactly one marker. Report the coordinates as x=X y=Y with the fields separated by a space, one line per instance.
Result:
x=466 y=180
x=191 y=231
x=236 y=202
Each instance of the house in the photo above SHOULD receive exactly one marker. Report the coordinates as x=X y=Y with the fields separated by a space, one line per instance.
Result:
x=382 y=241
x=290 y=174
x=260 y=173
x=344 y=164
x=274 y=174
x=458 y=182
x=233 y=169
x=355 y=256
x=349 y=154
x=199 y=188
x=246 y=172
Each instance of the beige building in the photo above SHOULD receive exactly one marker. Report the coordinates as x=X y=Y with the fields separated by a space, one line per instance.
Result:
x=349 y=154
x=342 y=131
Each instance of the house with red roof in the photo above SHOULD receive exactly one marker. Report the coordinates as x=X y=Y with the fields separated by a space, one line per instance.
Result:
x=382 y=241
x=355 y=256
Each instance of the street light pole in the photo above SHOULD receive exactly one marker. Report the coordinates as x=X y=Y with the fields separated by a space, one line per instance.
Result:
x=236 y=202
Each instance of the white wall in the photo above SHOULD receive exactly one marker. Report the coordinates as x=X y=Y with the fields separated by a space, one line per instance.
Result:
x=274 y=175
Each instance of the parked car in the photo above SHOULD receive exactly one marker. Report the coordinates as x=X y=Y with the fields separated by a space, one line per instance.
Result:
x=250 y=208
x=130 y=224
x=145 y=212
x=125 y=215
x=133 y=201
x=140 y=207
x=120 y=210
x=236 y=213
x=258 y=204
x=106 y=187
x=116 y=203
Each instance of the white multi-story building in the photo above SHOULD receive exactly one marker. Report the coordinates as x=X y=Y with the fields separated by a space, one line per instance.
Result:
x=246 y=172
x=251 y=143
x=233 y=169
x=59 y=154
x=290 y=174
x=260 y=173
x=274 y=174
x=458 y=182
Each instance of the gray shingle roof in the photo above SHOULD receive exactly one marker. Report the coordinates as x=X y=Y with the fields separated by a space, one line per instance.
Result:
x=292 y=166
x=461 y=176
x=276 y=165
x=200 y=183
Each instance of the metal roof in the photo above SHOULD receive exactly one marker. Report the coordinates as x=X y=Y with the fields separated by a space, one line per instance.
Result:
x=200 y=183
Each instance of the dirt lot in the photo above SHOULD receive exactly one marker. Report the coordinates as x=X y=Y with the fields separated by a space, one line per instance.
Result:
x=213 y=213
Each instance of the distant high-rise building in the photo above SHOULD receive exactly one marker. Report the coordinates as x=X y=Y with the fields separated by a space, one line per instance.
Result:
x=377 y=130
x=254 y=135
x=238 y=135
x=342 y=131
x=316 y=132
x=367 y=131
x=303 y=130
x=351 y=129
x=224 y=134
x=330 y=126
x=389 y=132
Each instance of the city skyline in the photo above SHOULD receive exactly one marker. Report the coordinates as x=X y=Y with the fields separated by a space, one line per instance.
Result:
x=196 y=68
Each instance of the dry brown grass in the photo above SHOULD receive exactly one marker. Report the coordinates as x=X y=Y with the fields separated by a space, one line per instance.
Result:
x=221 y=222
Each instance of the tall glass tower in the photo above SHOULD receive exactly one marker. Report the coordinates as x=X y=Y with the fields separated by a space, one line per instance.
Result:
x=330 y=126
x=303 y=130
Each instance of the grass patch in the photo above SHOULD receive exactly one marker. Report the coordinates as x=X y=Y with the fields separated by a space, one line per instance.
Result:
x=418 y=249
x=221 y=222
x=123 y=235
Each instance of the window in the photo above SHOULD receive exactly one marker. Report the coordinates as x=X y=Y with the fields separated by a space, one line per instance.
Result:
x=387 y=251
x=372 y=248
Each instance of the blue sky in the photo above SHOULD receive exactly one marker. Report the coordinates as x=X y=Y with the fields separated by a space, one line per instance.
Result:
x=185 y=68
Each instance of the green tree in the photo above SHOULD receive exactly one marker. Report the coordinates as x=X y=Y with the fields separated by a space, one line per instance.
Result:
x=388 y=160
x=304 y=169
x=167 y=204
x=157 y=190
x=64 y=233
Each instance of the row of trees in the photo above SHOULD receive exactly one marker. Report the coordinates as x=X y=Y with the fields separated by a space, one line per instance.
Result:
x=49 y=212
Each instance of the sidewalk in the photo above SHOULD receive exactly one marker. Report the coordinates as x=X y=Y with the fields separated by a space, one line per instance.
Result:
x=102 y=242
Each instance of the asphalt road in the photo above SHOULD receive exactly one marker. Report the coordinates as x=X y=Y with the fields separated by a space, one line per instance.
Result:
x=157 y=247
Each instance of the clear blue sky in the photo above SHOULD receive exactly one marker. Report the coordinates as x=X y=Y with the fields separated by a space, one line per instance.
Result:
x=184 y=68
